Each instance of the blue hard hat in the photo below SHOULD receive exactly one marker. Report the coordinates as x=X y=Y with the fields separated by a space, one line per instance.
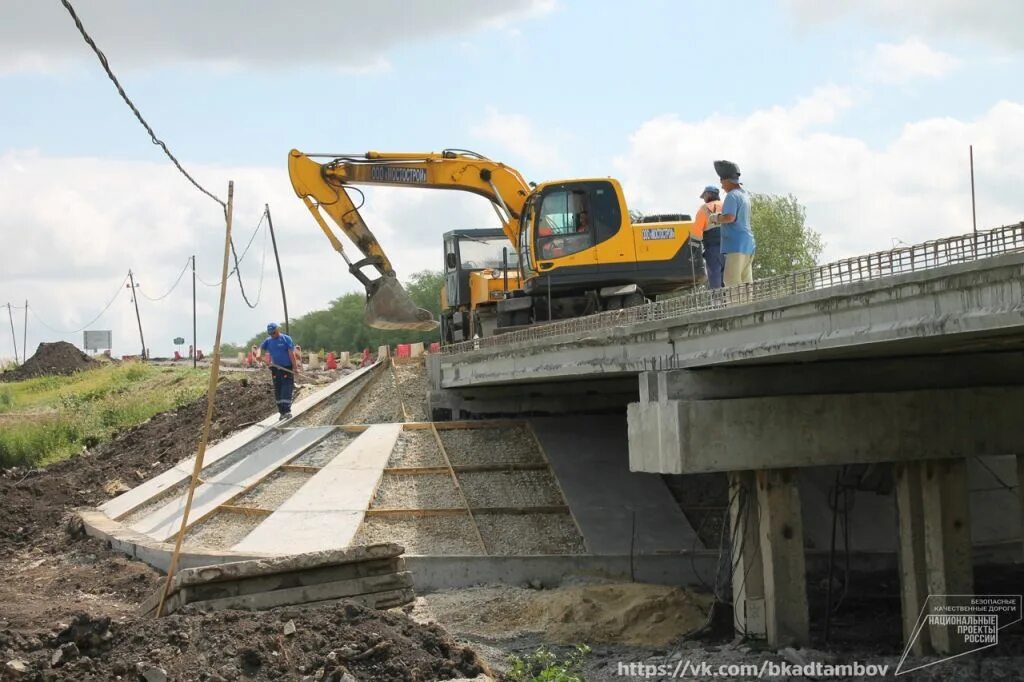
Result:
x=709 y=188
x=271 y=327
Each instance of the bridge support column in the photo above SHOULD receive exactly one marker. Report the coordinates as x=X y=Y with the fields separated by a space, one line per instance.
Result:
x=947 y=541
x=747 y=573
x=782 y=551
x=1020 y=495
x=911 y=553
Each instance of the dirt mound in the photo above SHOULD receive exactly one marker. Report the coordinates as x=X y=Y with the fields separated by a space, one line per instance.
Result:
x=328 y=643
x=51 y=358
x=35 y=500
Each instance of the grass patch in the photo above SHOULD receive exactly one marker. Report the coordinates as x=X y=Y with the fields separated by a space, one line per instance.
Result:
x=545 y=666
x=46 y=419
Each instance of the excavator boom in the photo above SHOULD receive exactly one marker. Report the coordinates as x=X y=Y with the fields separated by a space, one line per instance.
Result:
x=324 y=189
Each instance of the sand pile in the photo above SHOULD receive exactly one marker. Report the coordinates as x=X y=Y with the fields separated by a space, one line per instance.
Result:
x=623 y=613
x=636 y=614
x=51 y=358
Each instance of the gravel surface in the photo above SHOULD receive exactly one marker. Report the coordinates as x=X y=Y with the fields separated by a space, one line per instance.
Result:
x=273 y=490
x=510 y=489
x=434 y=535
x=420 y=491
x=525 y=534
x=416 y=449
x=327 y=412
x=511 y=445
x=378 y=404
x=222 y=530
x=323 y=452
x=412 y=385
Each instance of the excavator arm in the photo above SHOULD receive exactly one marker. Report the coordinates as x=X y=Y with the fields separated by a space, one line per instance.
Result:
x=323 y=188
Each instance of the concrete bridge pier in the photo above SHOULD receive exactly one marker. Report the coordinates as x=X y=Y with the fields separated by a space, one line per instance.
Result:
x=927 y=415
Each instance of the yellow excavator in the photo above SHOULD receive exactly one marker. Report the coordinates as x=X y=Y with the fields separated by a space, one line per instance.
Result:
x=573 y=244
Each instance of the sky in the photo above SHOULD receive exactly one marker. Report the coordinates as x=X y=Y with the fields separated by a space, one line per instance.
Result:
x=863 y=110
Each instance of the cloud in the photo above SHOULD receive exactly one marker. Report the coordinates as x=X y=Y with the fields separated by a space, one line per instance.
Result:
x=896 y=63
x=72 y=227
x=915 y=188
x=40 y=36
x=996 y=22
x=515 y=136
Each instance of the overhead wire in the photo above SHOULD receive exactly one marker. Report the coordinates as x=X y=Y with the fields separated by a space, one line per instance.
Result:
x=152 y=135
x=238 y=269
x=173 y=286
x=239 y=260
x=131 y=105
x=120 y=288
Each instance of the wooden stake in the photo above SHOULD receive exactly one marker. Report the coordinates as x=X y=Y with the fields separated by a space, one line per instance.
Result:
x=211 y=394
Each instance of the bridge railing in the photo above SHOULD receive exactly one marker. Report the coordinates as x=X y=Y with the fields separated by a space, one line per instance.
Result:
x=913 y=258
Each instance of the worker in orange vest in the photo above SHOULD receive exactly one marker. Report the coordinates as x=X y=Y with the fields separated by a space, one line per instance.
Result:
x=710 y=235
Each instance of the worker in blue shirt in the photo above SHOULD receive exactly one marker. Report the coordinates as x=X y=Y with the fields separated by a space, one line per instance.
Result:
x=284 y=362
x=738 y=243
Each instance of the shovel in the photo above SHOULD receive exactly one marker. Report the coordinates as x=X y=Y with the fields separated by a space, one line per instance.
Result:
x=389 y=306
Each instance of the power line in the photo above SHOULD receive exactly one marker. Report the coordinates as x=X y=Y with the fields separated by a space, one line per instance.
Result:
x=152 y=135
x=238 y=259
x=238 y=271
x=173 y=286
x=120 y=288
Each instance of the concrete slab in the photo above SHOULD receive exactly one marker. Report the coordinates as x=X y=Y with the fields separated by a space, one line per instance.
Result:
x=618 y=512
x=326 y=512
x=122 y=505
x=164 y=523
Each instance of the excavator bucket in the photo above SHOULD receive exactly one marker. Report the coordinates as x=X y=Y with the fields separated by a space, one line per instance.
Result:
x=388 y=306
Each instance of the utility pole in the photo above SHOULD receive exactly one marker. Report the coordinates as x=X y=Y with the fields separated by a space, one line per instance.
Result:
x=277 y=259
x=194 y=354
x=974 y=215
x=14 y=339
x=135 y=300
x=24 y=334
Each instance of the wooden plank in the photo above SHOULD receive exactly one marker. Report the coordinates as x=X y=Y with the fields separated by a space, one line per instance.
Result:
x=498 y=468
x=479 y=424
x=315 y=576
x=465 y=468
x=245 y=511
x=163 y=524
x=311 y=593
x=456 y=511
x=326 y=512
x=124 y=504
x=416 y=471
x=416 y=513
x=458 y=487
x=300 y=468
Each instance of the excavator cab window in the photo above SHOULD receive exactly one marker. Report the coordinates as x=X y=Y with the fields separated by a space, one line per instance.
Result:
x=574 y=218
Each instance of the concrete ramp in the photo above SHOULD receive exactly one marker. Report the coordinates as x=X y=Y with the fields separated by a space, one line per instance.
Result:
x=164 y=523
x=619 y=512
x=326 y=512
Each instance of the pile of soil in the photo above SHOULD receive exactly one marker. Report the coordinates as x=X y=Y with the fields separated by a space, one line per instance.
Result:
x=36 y=500
x=334 y=642
x=49 y=359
